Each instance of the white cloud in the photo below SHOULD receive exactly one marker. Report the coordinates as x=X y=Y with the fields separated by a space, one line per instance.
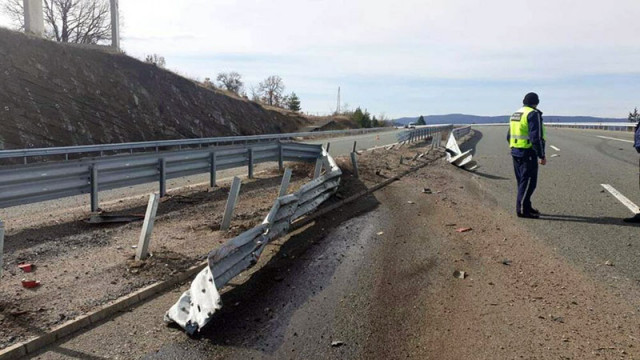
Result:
x=316 y=45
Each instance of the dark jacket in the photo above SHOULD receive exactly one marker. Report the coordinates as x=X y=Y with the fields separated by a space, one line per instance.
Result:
x=535 y=136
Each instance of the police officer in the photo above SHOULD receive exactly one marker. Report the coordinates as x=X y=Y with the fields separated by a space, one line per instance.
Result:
x=636 y=144
x=526 y=138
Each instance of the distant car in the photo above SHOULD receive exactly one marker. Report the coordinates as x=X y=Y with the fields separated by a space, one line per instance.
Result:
x=410 y=126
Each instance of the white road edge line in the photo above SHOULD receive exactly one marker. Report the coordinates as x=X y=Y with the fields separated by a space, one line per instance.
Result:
x=554 y=148
x=612 y=138
x=623 y=199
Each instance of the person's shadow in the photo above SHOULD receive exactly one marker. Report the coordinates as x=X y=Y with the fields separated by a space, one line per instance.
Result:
x=605 y=220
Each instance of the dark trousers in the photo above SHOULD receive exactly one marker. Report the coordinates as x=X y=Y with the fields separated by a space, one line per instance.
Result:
x=526 y=169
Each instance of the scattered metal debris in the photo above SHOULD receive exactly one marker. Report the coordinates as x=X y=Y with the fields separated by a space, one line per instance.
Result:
x=506 y=262
x=427 y=191
x=337 y=343
x=463 y=230
x=459 y=274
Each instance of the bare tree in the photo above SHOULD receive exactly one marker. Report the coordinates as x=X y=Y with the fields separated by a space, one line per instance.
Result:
x=271 y=90
x=156 y=60
x=231 y=81
x=76 y=21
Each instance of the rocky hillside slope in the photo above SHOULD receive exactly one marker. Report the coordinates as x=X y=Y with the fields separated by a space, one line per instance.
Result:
x=55 y=94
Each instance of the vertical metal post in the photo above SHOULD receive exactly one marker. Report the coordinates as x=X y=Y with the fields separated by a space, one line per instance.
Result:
x=212 y=170
x=147 y=227
x=328 y=147
x=94 y=188
x=115 y=25
x=231 y=203
x=251 y=163
x=354 y=161
x=25 y=160
x=354 y=146
x=318 y=169
x=163 y=177
x=280 y=157
x=33 y=17
x=1 y=246
x=286 y=179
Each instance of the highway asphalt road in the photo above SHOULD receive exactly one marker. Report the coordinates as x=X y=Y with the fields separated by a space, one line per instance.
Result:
x=580 y=218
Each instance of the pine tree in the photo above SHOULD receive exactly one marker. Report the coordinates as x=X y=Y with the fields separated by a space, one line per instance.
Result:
x=634 y=116
x=421 y=121
x=294 y=102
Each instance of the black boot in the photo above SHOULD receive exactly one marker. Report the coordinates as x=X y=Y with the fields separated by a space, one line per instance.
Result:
x=635 y=219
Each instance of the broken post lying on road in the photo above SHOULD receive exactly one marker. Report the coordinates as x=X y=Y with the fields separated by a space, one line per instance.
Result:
x=197 y=305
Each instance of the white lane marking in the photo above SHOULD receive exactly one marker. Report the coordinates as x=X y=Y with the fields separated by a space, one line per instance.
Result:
x=612 y=138
x=623 y=199
x=554 y=148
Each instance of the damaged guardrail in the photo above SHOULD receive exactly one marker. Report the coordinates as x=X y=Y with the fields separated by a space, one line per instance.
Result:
x=455 y=156
x=197 y=305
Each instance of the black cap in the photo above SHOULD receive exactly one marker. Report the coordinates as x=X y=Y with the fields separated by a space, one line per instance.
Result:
x=531 y=99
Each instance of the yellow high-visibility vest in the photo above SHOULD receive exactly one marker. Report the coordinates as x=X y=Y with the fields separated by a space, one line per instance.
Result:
x=519 y=129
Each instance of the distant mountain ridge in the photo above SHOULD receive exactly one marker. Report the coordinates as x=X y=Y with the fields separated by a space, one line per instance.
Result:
x=474 y=119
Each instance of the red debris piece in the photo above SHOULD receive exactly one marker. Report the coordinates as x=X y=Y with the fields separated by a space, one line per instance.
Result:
x=26 y=267
x=30 y=284
x=462 y=230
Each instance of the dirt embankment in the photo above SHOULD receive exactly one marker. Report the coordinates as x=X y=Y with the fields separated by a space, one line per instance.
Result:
x=55 y=94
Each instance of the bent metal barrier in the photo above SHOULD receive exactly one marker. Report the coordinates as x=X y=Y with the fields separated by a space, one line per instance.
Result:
x=25 y=184
x=197 y=305
x=422 y=132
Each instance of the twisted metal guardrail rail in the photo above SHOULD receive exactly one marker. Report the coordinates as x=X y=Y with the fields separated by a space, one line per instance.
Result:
x=197 y=305
x=26 y=184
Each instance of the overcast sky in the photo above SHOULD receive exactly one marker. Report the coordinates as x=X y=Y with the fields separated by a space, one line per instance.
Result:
x=407 y=57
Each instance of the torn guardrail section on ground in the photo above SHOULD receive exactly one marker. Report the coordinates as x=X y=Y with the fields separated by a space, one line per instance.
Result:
x=455 y=156
x=197 y=305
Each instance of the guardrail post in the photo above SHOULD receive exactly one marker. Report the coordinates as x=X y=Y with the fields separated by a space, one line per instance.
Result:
x=94 y=188
x=354 y=161
x=354 y=146
x=231 y=203
x=318 y=169
x=284 y=186
x=212 y=169
x=147 y=227
x=251 y=163
x=1 y=246
x=280 y=157
x=163 y=177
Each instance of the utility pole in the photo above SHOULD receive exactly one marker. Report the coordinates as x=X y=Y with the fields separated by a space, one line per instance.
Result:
x=338 y=107
x=33 y=17
x=115 y=25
